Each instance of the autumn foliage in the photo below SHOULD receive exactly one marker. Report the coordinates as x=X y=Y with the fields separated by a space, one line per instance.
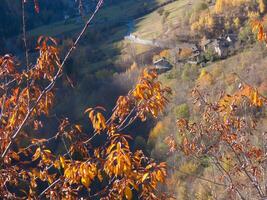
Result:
x=25 y=97
x=97 y=165
x=224 y=149
x=99 y=162
x=225 y=138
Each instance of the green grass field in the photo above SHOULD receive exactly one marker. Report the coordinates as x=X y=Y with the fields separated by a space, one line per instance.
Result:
x=151 y=25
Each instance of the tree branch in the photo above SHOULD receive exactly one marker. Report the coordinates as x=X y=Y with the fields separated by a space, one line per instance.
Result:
x=52 y=83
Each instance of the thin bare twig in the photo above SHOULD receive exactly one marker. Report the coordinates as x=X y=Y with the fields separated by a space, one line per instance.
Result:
x=253 y=180
x=24 y=34
x=223 y=170
x=26 y=47
x=198 y=177
x=48 y=188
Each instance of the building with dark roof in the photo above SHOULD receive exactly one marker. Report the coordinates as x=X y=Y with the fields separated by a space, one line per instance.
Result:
x=162 y=65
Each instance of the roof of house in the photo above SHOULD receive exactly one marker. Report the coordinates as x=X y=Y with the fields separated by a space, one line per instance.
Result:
x=231 y=37
x=220 y=42
x=162 y=63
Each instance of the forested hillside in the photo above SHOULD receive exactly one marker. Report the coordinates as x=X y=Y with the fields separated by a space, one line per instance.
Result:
x=133 y=99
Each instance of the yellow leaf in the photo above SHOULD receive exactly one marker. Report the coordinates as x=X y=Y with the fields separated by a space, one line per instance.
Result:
x=50 y=179
x=118 y=146
x=128 y=193
x=57 y=164
x=91 y=115
x=255 y=98
x=145 y=177
x=134 y=185
x=13 y=119
x=62 y=161
x=47 y=151
x=36 y=154
x=15 y=156
x=85 y=181
x=101 y=120
x=78 y=127
x=33 y=183
x=260 y=103
x=99 y=175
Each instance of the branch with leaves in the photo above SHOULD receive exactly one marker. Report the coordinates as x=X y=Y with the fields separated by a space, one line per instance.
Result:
x=51 y=75
x=107 y=169
x=225 y=135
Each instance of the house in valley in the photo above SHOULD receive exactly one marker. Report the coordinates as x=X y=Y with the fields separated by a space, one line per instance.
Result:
x=221 y=45
x=162 y=65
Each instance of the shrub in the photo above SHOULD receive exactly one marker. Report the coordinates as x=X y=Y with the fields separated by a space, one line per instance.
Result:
x=160 y=151
x=156 y=131
x=205 y=78
x=174 y=73
x=160 y=11
x=159 y=131
x=186 y=52
x=188 y=168
x=246 y=35
x=210 y=55
x=190 y=72
x=217 y=70
x=182 y=111
x=200 y=6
